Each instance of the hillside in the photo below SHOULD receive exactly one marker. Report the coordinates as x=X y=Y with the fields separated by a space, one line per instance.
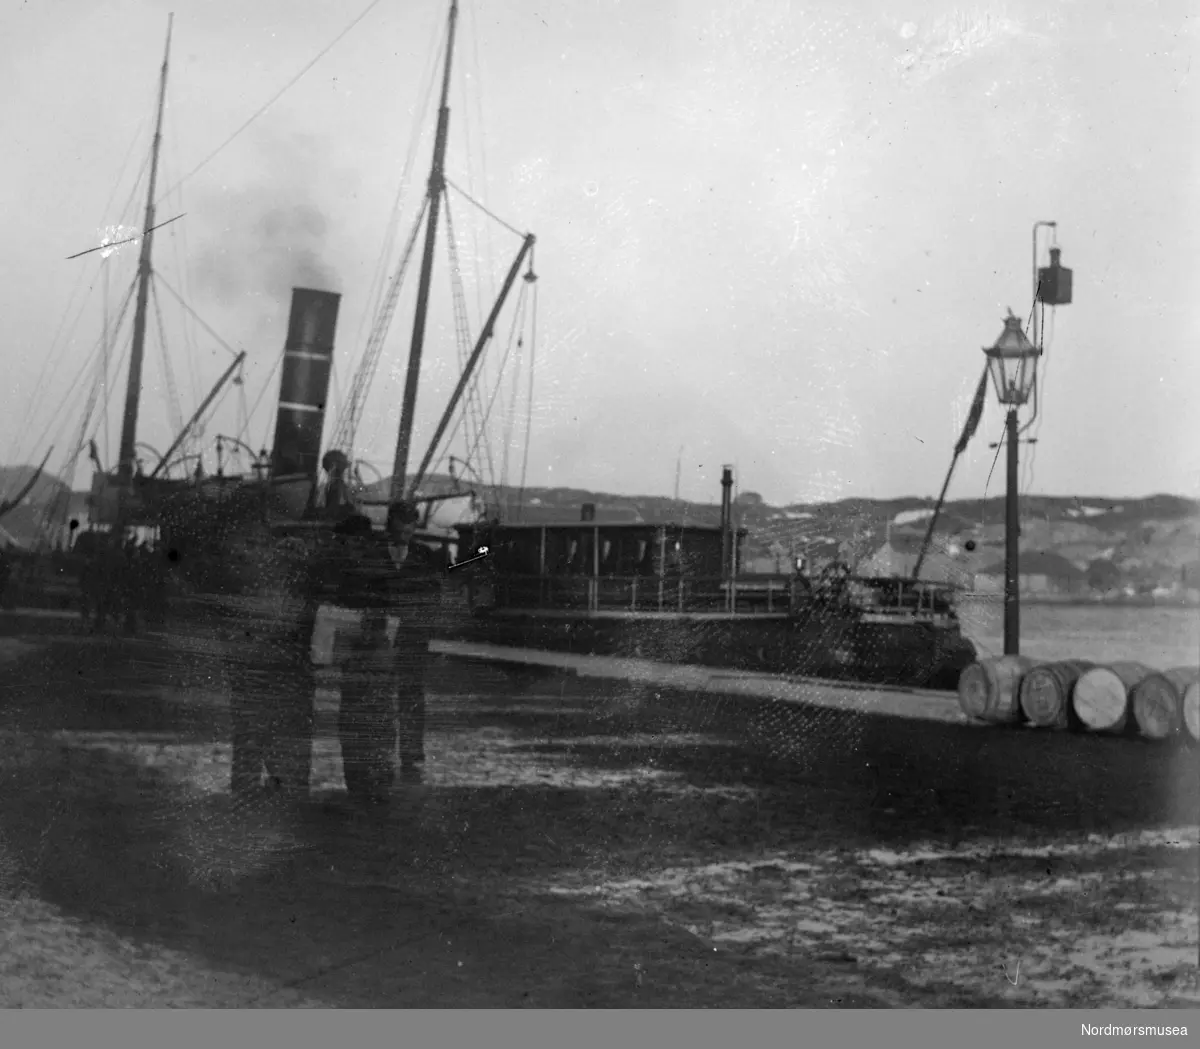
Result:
x=1147 y=541
x=23 y=525
x=12 y=478
x=1143 y=542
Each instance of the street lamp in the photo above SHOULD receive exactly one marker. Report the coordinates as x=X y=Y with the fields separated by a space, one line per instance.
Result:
x=1012 y=362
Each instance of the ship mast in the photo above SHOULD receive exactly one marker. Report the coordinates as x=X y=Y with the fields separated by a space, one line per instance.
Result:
x=436 y=187
x=133 y=389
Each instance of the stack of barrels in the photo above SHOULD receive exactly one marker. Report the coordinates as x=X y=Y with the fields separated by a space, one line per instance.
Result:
x=1122 y=698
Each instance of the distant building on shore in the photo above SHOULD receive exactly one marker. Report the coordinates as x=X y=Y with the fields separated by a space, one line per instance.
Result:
x=943 y=563
x=587 y=513
x=1103 y=576
x=1041 y=572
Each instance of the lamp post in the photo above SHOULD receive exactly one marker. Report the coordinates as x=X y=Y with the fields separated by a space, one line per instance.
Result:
x=1012 y=362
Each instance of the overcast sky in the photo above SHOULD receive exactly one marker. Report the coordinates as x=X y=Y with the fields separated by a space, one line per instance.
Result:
x=771 y=234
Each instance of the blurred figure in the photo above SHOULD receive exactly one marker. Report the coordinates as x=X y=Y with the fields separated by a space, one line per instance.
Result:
x=418 y=599
x=265 y=611
x=356 y=568
x=364 y=571
x=130 y=584
x=158 y=582
x=100 y=581
x=382 y=717
x=367 y=713
x=6 y=571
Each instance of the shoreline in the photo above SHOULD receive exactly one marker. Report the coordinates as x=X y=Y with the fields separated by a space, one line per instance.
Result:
x=1082 y=602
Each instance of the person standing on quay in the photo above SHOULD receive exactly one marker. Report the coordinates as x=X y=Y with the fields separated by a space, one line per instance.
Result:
x=418 y=609
x=6 y=569
x=382 y=715
x=265 y=611
x=356 y=570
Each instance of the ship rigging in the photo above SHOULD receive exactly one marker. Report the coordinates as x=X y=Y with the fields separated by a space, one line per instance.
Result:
x=328 y=486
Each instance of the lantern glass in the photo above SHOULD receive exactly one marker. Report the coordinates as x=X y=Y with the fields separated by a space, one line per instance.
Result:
x=1013 y=364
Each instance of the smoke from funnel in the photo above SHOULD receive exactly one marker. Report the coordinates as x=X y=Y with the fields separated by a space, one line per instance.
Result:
x=265 y=255
x=273 y=234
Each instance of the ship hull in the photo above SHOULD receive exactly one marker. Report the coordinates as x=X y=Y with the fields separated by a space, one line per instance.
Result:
x=820 y=645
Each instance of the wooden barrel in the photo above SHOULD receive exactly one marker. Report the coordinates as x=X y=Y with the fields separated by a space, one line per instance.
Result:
x=1191 y=712
x=1187 y=685
x=1156 y=704
x=1046 y=693
x=989 y=689
x=1101 y=696
x=1181 y=677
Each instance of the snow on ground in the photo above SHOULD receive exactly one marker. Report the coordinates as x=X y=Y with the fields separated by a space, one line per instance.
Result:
x=1094 y=920
x=967 y=918
x=51 y=961
x=911 y=516
x=1090 y=921
x=13 y=648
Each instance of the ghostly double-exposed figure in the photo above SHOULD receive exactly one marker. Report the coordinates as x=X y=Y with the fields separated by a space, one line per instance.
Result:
x=272 y=588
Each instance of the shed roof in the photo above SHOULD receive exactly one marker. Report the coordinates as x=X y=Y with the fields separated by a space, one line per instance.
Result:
x=939 y=567
x=1040 y=562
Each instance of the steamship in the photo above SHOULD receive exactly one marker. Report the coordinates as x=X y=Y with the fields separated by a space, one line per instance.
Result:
x=667 y=591
x=301 y=491
x=671 y=592
x=176 y=510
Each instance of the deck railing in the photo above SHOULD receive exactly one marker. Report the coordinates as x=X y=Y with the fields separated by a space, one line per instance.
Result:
x=755 y=595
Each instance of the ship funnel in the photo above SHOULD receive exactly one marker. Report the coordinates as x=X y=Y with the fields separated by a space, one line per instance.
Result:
x=304 y=383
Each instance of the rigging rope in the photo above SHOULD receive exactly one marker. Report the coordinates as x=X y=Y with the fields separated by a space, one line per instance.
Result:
x=107 y=343
x=128 y=153
x=1030 y=462
x=462 y=328
x=65 y=401
x=1025 y=483
x=199 y=320
x=478 y=81
x=243 y=407
x=490 y=214
x=241 y=434
x=529 y=398
x=473 y=413
x=345 y=436
x=995 y=458
x=466 y=126
x=275 y=98
x=90 y=409
x=34 y=401
x=511 y=414
x=346 y=428
x=518 y=317
x=168 y=371
x=126 y=219
x=350 y=417
x=520 y=313
x=49 y=361
x=178 y=244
